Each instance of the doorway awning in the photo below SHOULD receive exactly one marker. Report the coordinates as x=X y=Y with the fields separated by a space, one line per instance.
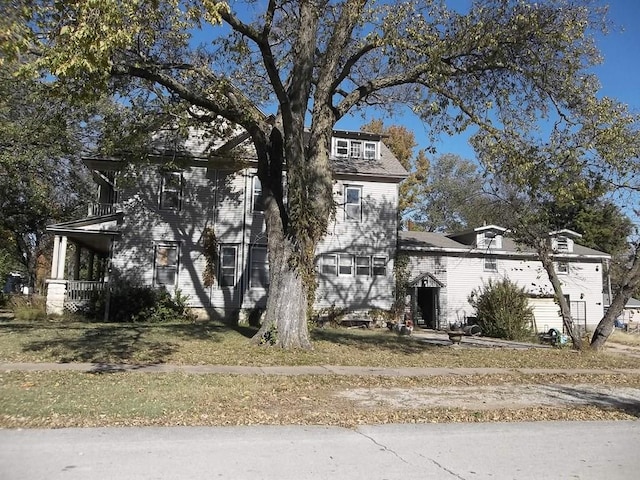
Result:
x=426 y=280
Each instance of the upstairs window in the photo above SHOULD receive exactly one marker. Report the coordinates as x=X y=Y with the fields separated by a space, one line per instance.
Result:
x=166 y=264
x=257 y=199
x=345 y=148
x=379 y=266
x=228 y=263
x=328 y=265
x=363 y=266
x=353 y=203
x=356 y=149
x=342 y=148
x=490 y=264
x=489 y=240
x=562 y=268
x=345 y=266
x=259 y=277
x=171 y=191
x=369 y=150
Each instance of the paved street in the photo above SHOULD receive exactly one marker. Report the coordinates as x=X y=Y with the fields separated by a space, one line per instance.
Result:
x=554 y=450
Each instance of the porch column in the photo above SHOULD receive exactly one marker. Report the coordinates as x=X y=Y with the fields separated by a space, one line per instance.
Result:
x=54 y=257
x=90 y=267
x=62 y=258
x=76 y=262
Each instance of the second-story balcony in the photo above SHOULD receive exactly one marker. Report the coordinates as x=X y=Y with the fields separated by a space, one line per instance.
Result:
x=99 y=209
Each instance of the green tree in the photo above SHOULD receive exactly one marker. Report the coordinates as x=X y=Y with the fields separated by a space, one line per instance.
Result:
x=503 y=311
x=312 y=62
x=41 y=178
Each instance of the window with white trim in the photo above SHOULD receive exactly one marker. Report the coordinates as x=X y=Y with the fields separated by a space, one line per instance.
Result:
x=363 y=266
x=257 y=199
x=562 y=268
x=228 y=265
x=171 y=191
x=165 y=264
x=353 y=203
x=355 y=149
x=379 y=266
x=328 y=264
x=341 y=147
x=370 y=150
x=259 y=275
x=490 y=264
x=345 y=264
x=562 y=244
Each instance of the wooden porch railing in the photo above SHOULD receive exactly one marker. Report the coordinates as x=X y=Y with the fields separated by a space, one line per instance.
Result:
x=98 y=209
x=82 y=290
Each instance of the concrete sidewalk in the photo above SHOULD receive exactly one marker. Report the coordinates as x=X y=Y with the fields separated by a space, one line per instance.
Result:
x=301 y=370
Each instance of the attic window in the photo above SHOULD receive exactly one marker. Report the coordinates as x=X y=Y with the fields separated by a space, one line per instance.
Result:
x=489 y=240
x=345 y=148
x=562 y=244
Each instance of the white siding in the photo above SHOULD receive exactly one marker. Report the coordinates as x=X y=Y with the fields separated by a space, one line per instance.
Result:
x=374 y=236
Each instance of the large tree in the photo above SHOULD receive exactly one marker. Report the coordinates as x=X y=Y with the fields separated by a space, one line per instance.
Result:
x=41 y=178
x=311 y=62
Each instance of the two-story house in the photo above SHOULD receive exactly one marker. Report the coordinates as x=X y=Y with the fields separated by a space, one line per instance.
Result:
x=444 y=269
x=153 y=224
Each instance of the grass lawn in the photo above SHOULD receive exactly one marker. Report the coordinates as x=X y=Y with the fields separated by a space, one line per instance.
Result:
x=63 y=399
x=214 y=343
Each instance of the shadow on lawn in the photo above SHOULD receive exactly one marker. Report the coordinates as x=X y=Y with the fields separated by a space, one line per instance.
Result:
x=371 y=340
x=119 y=343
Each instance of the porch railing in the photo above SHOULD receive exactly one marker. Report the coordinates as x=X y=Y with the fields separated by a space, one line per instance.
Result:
x=82 y=290
x=99 y=209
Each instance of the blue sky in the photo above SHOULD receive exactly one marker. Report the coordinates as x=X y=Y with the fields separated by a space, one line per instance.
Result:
x=619 y=74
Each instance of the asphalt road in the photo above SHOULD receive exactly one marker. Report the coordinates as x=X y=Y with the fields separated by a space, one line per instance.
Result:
x=554 y=450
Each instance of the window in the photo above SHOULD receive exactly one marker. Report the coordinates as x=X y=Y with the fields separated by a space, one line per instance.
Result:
x=363 y=266
x=489 y=240
x=353 y=203
x=166 y=264
x=345 y=266
x=490 y=264
x=171 y=191
x=257 y=202
x=228 y=255
x=342 y=148
x=328 y=265
x=356 y=149
x=562 y=268
x=259 y=276
x=369 y=150
x=379 y=266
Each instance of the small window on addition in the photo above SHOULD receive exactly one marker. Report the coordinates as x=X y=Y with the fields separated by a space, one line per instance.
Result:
x=562 y=268
x=490 y=264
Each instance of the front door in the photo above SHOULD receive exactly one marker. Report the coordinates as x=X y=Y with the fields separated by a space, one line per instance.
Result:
x=427 y=306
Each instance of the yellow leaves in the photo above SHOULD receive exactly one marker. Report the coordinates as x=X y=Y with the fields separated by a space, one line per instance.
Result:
x=213 y=11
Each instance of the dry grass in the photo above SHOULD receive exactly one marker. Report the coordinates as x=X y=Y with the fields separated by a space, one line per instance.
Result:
x=66 y=399
x=216 y=344
x=624 y=338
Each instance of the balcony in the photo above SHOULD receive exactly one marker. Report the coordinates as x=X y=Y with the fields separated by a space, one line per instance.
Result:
x=100 y=209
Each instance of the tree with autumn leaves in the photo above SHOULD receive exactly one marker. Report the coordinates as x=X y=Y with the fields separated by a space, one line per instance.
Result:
x=501 y=66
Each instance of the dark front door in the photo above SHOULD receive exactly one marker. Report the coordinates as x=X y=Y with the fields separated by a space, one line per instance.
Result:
x=427 y=306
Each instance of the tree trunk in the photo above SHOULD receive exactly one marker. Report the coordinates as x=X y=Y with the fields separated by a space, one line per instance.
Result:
x=544 y=252
x=631 y=281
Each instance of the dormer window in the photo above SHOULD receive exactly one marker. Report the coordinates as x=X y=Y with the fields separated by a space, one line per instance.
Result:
x=345 y=148
x=489 y=240
x=562 y=244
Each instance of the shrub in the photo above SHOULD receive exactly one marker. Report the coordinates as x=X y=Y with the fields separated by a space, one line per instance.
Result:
x=27 y=308
x=134 y=303
x=503 y=310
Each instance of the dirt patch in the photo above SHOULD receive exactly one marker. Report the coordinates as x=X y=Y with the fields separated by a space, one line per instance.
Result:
x=492 y=397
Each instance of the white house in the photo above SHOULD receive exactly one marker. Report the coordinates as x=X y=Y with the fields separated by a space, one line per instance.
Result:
x=444 y=269
x=150 y=225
